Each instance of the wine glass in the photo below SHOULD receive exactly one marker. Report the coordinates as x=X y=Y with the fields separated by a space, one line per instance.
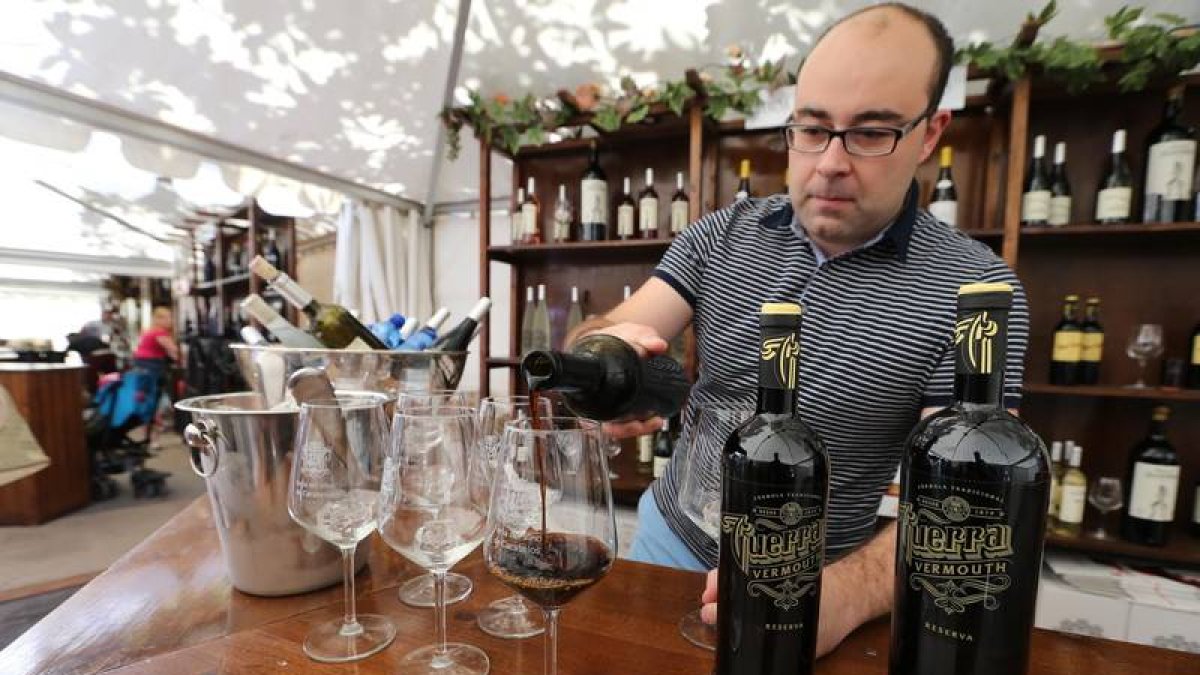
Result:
x=511 y=617
x=433 y=511
x=337 y=468
x=1146 y=343
x=551 y=529
x=418 y=591
x=700 y=490
x=1106 y=496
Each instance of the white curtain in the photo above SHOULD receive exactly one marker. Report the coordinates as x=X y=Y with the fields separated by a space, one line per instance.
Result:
x=381 y=263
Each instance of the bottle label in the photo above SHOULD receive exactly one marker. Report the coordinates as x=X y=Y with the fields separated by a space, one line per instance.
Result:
x=956 y=544
x=562 y=225
x=1152 y=495
x=648 y=214
x=1114 y=203
x=978 y=335
x=645 y=449
x=593 y=201
x=1196 y=351
x=1068 y=346
x=779 y=359
x=660 y=466
x=1035 y=206
x=1169 y=169
x=679 y=216
x=779 y=546
x=625 y=220
x=529 y=219
x=1055 y=494
x=1060 y=210
x=946 y=211
x=1092 y=347
x=1072 y=499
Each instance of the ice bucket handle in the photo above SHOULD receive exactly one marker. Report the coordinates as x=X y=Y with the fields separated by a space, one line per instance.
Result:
x=200 y=437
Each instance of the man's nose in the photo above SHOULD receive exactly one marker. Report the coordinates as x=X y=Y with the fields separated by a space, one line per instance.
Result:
x=834 y=161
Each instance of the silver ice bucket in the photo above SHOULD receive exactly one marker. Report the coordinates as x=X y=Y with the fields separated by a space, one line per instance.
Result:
x=243 y=449
x=267 y=369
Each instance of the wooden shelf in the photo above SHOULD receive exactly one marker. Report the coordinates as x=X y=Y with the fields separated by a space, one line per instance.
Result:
x=503 y=362
x=589 y=250
x=993 y=233
x=1093 y=229
x=1182 y=550
x=1109 y=391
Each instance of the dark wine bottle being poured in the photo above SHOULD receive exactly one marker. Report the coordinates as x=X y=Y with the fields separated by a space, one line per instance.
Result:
x=603 y=378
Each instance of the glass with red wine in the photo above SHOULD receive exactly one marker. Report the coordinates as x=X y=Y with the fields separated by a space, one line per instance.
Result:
x=551 y=529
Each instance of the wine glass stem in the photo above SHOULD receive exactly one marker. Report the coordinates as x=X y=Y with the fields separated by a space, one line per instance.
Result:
x=1141 y=382
x=551 y=642
x=350 y=620
x=439 y=609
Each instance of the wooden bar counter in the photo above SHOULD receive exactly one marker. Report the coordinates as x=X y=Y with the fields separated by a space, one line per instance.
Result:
x=166 y=607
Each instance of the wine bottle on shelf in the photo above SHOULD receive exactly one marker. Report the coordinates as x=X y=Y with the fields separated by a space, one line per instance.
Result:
x=1153 y=485
x=1170 y=161
x=1035 y=197
x=1060 y=188
x=575 y=311
x=283 y=330
x=1092 y=343
x=562 y=216
x=527 y=322
x=663 y=449
x=233 y=260
x=1114 y=200
x=603 y=378
x=1068 y=345
x=974 y=490
x=648 y=209
x=593 y=200
x=679 y=206
x=458 y=338
x=743 y=190
x=774 y=499
x=1056 y=472
x=427 y=334
x=531 y=212
x=1073 y=496
x=539 y=330
x=626 y=213
x=331 y=323
x=209 y=273
x=943 y=205
x=516 y=226
x=645 y=445
x=1193 y=368
x=271 y=251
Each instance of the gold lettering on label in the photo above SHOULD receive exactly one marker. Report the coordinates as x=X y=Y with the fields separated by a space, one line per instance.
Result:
x=785 y=352
x=978 y=331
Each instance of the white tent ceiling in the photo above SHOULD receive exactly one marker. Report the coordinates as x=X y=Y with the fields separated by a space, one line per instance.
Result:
x=352 y=89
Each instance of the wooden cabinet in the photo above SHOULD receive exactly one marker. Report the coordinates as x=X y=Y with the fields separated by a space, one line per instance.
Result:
x=50 y=398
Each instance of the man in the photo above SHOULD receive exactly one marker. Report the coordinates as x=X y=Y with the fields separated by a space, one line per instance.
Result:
x=877 y=278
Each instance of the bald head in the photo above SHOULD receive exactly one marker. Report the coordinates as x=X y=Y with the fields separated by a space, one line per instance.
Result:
x=915 y=37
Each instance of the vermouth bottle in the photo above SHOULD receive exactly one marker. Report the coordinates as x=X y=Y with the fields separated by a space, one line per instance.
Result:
x=974 y=487
x=774 y=495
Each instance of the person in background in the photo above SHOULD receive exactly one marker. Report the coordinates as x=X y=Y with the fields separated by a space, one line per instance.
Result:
x=157 y=343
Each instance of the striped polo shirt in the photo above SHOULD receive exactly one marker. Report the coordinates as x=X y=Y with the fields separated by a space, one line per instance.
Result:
x=875 y=343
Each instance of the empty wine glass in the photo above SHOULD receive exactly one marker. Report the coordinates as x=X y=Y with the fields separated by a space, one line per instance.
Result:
x=1146 y=343
x=337 y=468
x=433 y=511
x=1106 y=495
x=699 y=471
x=511 y=617
x=551 y=529
x=418 y=591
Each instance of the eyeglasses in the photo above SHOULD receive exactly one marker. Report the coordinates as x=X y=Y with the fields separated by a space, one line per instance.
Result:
x=866 y=141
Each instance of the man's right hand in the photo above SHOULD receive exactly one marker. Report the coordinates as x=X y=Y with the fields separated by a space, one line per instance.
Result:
x=646 y=342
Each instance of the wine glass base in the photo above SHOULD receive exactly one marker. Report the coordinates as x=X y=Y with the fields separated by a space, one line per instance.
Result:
x=694 y=630
x=327 y=643
x=458 y=659
x=510 y=619
x=418 y=591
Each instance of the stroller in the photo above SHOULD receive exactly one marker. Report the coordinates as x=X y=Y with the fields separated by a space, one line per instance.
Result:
x=123 y=403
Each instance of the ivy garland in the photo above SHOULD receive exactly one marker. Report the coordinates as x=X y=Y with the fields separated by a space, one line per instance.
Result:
x=1148 y=48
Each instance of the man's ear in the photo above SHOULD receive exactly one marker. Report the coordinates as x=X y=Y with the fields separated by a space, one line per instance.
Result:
x=937 y=123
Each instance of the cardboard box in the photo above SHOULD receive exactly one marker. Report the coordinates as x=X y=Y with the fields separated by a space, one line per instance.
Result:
x=1165 y=628
x=1066 y=609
